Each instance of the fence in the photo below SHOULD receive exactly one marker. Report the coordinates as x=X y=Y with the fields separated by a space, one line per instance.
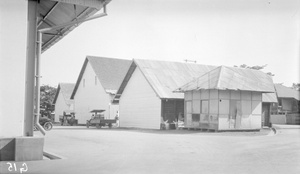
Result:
x=293 y=118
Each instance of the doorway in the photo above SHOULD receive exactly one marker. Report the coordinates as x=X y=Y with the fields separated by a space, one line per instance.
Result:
x=171 y=109
x=265 y=116
x=235 y=116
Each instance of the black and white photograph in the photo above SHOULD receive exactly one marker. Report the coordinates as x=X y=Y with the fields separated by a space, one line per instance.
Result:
x=149 y=86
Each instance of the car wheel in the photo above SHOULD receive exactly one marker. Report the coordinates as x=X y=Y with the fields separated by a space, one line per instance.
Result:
x=98 y=126
x=48 y=126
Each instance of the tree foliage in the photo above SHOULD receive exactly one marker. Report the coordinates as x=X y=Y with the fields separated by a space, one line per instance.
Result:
x=46 y=99
x=296 y=86
x=256 y=67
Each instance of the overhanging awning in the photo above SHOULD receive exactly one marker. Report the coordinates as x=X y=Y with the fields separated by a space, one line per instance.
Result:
x=97 y=111
x=57 y=12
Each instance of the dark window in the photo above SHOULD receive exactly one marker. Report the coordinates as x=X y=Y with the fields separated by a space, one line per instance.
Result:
x=195 y=117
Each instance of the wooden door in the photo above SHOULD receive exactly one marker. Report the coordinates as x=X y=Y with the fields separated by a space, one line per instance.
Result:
x=235 y=116
x=265 y=116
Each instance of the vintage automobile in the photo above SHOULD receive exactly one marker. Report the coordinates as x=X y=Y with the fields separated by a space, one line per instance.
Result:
x=68 y=118
x=98 y=119
x=45 y=122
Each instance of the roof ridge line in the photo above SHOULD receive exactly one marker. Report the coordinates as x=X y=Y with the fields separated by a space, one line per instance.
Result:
x=221 y=68
x=197 y=79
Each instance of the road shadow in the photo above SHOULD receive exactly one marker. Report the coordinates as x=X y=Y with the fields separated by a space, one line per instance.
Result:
x=262 y=132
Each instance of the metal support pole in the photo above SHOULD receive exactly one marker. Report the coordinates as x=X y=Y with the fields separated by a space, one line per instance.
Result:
x=37 y=83
x=33 y=65
x=30 y=68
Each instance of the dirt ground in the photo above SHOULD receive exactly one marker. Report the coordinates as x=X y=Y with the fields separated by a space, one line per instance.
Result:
x=174 y=151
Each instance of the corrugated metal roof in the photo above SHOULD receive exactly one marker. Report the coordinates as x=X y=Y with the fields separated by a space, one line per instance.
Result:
x=66 y=90
x=54 y=13
x=110 y=72
x=286 y=92
x=269 y=98
x=164 y=77
x=232 y=78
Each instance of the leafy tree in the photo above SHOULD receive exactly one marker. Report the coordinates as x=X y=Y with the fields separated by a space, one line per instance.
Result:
x=46 y=99
x=257 y=67
x=296 y=86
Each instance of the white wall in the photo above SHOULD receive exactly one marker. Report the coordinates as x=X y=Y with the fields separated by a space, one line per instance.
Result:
x=90 y=96
x=60 y=106
x=139 y=105
x=114 y=109
x=278 y=119
x=13 y=37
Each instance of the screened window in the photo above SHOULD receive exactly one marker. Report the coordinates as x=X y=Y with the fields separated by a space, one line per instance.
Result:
x=204 y=107
x=224 y=107
x=188 y=107
x=213 y=109
x=196 y=106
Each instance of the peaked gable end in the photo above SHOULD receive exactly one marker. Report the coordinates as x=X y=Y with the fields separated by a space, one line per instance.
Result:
x=109 y=71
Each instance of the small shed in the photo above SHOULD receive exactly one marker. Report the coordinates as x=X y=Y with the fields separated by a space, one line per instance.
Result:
x=226 y=98
x=288 y=98
x=287 y=111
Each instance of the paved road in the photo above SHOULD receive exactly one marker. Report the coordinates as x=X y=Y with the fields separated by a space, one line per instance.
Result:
x=175 y=151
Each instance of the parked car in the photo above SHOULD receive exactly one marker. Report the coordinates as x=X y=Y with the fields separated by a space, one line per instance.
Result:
x=98 y=120
x=45 y=122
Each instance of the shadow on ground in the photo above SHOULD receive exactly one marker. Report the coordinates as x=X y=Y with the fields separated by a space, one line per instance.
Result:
x=261 y=132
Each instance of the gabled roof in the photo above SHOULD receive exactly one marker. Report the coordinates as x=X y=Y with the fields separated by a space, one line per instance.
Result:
x=164 y=77
x=110 y=72
x=286 y=92
x=66 y=90
x=231 y=78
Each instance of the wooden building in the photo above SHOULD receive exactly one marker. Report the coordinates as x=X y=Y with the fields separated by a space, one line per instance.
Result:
x=288 y=108
x=288 y=98
x=146 y=97
x=226 y=98
x=62 y=100
x=96 y=86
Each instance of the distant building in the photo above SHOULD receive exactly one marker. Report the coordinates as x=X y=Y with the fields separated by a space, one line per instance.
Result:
x=226 y=98
x=146 y=95
x=288 y=98
x=96 y=86
x=288 y=107
x=62 y=100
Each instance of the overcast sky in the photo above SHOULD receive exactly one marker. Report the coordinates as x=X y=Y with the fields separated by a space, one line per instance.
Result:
x=213 y=32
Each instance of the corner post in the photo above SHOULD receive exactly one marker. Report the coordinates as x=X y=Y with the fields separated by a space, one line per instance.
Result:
x=30 y=68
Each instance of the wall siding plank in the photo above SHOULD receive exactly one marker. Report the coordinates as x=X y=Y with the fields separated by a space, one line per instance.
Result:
x=139 y=105
x=90 y=96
